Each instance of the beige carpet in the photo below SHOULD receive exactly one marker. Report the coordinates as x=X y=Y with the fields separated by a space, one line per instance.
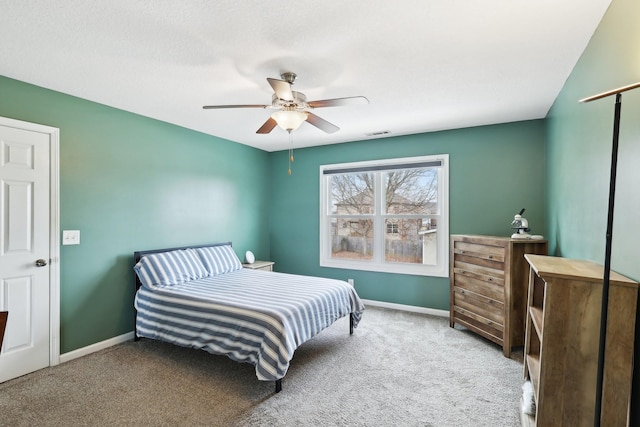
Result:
x=398 y=369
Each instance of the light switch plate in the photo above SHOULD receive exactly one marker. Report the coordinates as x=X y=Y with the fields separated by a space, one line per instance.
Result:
x=70 y=237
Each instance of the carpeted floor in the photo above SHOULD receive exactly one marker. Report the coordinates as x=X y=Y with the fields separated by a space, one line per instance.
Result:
x=398 y=369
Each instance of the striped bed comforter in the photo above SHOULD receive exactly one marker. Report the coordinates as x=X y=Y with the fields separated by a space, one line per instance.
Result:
x=252 y=316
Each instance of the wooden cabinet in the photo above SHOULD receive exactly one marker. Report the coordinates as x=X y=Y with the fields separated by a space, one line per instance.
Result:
x=260 y=265
x=489 y=277
x=562 y=341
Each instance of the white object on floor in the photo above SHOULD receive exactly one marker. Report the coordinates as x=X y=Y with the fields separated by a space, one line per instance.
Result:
x=528 y=400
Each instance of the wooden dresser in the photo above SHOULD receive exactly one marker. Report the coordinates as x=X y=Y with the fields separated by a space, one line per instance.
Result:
x=562 y=342
x=489 y=278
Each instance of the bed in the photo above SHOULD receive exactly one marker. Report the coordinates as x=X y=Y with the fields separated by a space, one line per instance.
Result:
x=201 y=297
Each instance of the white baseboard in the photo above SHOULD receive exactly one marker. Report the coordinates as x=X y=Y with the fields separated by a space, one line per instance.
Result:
x=95 y=347
x=402 y=307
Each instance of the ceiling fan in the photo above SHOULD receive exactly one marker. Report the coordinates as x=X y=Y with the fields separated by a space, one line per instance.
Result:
x=292 y=107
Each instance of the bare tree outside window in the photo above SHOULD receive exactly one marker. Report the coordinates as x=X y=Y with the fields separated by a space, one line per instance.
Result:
x=352 y=199
x=411 y=191
x=408 y=196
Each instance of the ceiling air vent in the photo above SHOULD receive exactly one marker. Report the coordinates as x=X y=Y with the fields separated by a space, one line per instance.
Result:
x=378 y=133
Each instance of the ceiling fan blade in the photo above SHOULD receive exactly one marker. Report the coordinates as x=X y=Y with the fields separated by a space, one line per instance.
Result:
x=339 y=102
x=267 y=126
x=321 y=124
x=282 y=89
x=217 y=107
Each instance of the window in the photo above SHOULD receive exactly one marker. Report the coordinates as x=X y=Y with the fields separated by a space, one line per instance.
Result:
x=386 y=215
x=392 y=228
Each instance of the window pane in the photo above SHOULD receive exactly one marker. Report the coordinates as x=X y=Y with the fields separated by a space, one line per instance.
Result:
x=411 y=241
x=428 y=231
x=352 y=239
x=411 y=191
x=351 y=194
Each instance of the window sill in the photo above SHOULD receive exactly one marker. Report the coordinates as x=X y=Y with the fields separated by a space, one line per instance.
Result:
x=399 y=268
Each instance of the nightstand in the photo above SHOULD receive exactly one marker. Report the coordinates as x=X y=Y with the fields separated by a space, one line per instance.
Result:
x=260 y=265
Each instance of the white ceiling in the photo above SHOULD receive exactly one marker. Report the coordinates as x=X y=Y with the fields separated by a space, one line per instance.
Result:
x=424 y=65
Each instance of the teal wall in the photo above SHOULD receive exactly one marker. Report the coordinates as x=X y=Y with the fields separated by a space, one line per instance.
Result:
x=494 y=171
x=579 y=141
x=130 y=183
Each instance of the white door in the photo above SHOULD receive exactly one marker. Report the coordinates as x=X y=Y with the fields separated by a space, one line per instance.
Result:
x=24 y=250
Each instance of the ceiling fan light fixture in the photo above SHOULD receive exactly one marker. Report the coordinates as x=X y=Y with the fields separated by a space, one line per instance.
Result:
x=289 y=120
x=291 y=107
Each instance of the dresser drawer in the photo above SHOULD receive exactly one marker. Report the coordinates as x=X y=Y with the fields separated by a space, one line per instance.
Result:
x=480 y=272
x=489 y=329
x=483 y=252
x=489 y=289
x=487 y=308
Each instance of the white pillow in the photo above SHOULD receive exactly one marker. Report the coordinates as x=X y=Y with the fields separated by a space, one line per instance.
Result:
x=170 y=268
x=219 y=259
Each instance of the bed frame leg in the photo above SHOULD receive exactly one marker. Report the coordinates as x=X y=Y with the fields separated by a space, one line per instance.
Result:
x=350 y=325
x=135 y=324
x=279 y=385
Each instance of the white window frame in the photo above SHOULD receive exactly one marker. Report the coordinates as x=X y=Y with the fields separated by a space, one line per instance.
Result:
x=441 y=269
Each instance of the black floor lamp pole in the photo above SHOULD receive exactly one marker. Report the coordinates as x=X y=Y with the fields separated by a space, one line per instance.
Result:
x=607 y=261
x=607 y=256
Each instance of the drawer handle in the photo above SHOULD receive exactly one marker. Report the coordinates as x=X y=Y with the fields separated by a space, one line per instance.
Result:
x=490 y=256
x=491 y=279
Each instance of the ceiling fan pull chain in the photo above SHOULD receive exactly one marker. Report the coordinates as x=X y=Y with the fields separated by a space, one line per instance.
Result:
x=290 y=150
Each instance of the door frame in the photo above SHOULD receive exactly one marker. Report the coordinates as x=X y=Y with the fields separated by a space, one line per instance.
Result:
x=54 y=227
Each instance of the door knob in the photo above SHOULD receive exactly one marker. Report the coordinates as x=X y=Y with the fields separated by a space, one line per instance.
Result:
x=41 y=263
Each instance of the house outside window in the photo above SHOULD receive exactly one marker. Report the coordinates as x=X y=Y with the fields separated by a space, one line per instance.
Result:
x=386 y=215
